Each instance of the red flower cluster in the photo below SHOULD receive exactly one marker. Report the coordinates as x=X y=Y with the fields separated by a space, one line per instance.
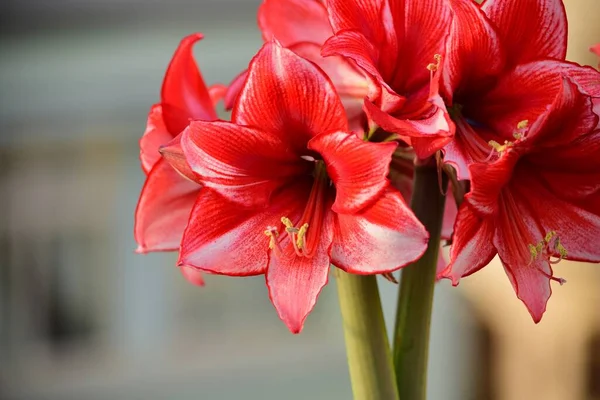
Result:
x=325 y=125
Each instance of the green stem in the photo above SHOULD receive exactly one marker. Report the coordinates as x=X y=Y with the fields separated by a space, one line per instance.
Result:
x=367 y=346
x=415 y=299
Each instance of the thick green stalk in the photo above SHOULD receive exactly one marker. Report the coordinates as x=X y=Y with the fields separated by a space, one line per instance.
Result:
x=415 y=299
x=367 y=347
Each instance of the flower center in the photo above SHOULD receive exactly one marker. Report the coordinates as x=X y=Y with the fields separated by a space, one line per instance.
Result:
x=304 y=241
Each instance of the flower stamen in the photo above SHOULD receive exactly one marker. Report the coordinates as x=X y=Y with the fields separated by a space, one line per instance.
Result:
x=547 y=247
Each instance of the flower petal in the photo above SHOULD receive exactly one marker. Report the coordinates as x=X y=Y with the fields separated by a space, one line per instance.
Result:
x=474 y=53
x=243 y=164
x=472 y=245
x=365 y=15
x=530 y=277
x=530 y=30
x=156 y=135
x=184 y=90
x=288 y=96
x=192 y=275
x=293 y=21
x=163 y=209
x=224 y=238
x=596 y=50
x=357 y=168
x=234 y=89
x=488 y=180
x=576 y=224
x=172 y=152
x=381 y=238
x=426 y=135
x=295 y=282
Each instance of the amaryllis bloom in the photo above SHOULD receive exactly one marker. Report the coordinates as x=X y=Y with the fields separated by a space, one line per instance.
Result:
x=596 y=50
x=398 y=44
x=288 y=190
x=538 y=203
x=167 y=197
x=303 y=26
x=501 y=59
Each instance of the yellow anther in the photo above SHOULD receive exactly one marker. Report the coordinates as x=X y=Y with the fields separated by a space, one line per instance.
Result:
x=523 y=124
x=500 y=147
x=561 y=250
x=533 y=251
x=273 y=235
x=436 y=65
x=289 y=226
x=549 y=236
x=301 y=236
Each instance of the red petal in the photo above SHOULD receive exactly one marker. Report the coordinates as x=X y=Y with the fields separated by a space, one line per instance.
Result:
x=295 y=282
x=234 y=89
x=523 y=94
x=529 y=30
x=362 y=15
x=288 y=96
x=184 y=90
x=516 y=229
x=192 y=275
x=422 y=30
x=426 y=135
x=293 y=21
x=450 y=212
x=156 y=135
x=488 y=180
x=382 y=238
x=224 y=238
x=243 y=164
x=172 y=152
x=351 y=85
x=217 y=93
x=578 y=228
x=474 y=52
x=357 y=168
x=472 y=245
x=570 y=117
x=163 y=209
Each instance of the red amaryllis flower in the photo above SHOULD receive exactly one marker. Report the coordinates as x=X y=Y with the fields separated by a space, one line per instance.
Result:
x=502 y=59
x=288 y=191
x=596 y=50
x=398 y=44
x=303 y=26
x=538 y=203
x=167 y=197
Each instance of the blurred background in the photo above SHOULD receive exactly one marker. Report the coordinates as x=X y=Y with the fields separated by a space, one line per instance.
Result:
x=83 y=317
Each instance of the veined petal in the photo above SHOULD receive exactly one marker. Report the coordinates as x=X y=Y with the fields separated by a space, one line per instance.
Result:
x=474 y=54
x=488 y=180
x=184 y=90
x=570 y=117
x=426 y=135
x=517 y=227
x=362 y=15
x=348 y=81
x=381 y=238
x=542 y=22
x=288 y=97
x=421 y=35
x=293 y=21
x=156 y=135
x=163 y=209
x=577 y=228
x=243 y=164
x=525 y=93
x=224 y=238
x=357 y=168
x=472 y=245
x=295 y=282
